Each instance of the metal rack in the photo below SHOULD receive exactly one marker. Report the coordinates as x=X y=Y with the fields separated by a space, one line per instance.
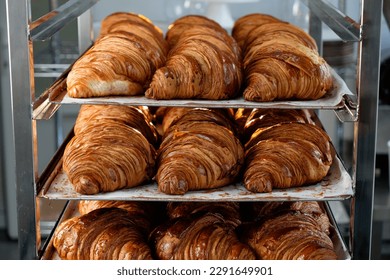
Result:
x=28 y=108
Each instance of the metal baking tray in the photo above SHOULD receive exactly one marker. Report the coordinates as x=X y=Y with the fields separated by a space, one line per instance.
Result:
x=335 y=99
x=337 y=185
x=71 y=211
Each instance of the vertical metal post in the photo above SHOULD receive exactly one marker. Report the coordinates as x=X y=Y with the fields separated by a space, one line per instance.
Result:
x=365 y=130
x=85 y=31
x=22 y=94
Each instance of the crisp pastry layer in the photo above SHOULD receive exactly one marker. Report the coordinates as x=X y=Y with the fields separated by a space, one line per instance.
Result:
x=285 y=156
x=102 y=234
x=122 y=60
x=198 y=153
x=290 y=231
x=136 y=117
x=280 y=61
x=200 y=235
x=204 y=62
x=108 y=158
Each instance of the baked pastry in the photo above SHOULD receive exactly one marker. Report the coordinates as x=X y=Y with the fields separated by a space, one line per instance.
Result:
x=122 y=62
x=281 y=62
x=204 y=62
x=286 y=155
x=287 y=233
x=199 y=237
x=108 y=157
x=102 y=234
x=136 y=117
x=198 y=154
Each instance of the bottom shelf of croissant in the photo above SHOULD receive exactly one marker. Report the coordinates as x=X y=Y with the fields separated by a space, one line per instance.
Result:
x=135 y=230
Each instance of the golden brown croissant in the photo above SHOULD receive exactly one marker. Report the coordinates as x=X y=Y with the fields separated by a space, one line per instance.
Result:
x=204 y=237
x=122 y=62
x=102 y=234
x=108 y=157
x=282 y=63
x=289 y=235
x=204 y=62
x=95 y=115
x=286 y=155
x=198 y=155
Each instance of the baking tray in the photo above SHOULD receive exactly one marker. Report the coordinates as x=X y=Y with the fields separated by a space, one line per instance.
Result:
x=335 y=99
x=71 y=211
x=337 y=185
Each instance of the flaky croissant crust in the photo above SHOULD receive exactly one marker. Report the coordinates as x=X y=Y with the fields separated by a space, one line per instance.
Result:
x=109 y=157
x=96 y=115
x=102 y=234
x=203 y=156
x=207 y=237
x=286 y=155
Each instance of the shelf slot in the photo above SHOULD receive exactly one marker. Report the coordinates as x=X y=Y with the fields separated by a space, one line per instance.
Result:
x=349 y=112
x=47 y=25
x=345 y=27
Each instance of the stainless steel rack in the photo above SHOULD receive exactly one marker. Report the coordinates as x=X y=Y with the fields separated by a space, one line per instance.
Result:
x=358 y=106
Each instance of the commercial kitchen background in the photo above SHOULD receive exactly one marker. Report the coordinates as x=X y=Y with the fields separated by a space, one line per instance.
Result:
x=62 y=49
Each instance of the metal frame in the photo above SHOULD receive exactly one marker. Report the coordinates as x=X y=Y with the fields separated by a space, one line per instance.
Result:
x=367 y=33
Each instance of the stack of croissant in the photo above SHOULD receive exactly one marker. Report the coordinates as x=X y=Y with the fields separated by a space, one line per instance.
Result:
x=106 y=230
x=280 y=60
x=283 y=149
x=204 y=62
x=122 y=61
x=289 y=231
x=196 y=231
x=200 y=231
x=199 y=150
x=112 y=149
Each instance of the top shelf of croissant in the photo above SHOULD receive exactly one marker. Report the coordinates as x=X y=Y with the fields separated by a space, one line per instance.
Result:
x=264 y=62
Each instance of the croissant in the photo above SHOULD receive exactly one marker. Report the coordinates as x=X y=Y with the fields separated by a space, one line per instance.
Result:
x=108 y=157
x=102 y=234
x=204 y=62
x=281 y=62
x=289 y=235
x=121 y=62
x=204 y=237
x=286 y=155
x=95 y=115
x=197 y=155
